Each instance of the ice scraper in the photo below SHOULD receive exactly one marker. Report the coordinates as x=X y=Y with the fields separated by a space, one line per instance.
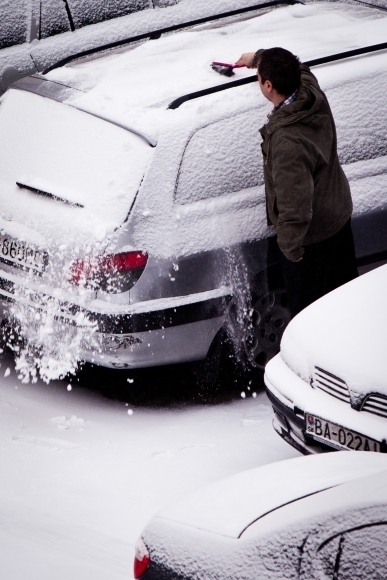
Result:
x=224 y=68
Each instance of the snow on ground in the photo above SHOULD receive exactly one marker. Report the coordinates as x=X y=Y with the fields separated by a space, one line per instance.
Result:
x=82 y=475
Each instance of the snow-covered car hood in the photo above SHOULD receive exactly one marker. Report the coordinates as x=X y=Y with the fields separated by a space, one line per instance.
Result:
x=229 y=506
x=343 y=333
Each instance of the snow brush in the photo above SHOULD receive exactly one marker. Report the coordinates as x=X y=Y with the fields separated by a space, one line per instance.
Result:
x=224 y=68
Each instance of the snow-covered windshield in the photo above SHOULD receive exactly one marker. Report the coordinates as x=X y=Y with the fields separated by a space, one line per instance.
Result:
x=90 y=169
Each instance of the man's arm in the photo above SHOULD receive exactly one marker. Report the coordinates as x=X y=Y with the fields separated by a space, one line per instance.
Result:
x=292 y=172
x=250 y=59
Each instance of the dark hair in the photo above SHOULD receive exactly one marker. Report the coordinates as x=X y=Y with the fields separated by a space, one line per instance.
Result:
x=281 y=68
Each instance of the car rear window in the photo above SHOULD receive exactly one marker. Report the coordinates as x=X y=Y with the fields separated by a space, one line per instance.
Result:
x=90 y=169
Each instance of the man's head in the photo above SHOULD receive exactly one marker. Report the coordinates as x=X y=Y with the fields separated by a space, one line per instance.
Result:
x=279 y=74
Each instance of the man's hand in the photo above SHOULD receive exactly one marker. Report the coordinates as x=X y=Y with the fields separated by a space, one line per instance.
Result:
x=247 y=59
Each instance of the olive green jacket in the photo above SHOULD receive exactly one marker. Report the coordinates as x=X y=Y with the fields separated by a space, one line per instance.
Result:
x=308 y=198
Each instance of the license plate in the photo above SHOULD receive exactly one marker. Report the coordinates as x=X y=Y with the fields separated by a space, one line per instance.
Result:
x=337 y=436
x=14 y=252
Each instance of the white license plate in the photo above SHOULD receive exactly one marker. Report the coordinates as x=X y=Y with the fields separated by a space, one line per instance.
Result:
x=22 y=254
x=337 y=436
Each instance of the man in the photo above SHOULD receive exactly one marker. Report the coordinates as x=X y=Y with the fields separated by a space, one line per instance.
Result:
x=308 y=199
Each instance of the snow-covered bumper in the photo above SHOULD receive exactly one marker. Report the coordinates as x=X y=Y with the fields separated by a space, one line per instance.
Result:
x=152 y=333
x=293 y=399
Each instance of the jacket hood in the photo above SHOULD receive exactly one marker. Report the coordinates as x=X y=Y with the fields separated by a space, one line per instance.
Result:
x=308 y=106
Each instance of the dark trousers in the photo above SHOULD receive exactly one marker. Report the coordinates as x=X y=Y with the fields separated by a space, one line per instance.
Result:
x=324 y=267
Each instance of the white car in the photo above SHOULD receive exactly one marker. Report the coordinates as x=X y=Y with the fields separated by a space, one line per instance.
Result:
x=328 y=384
x=310 y=518
x=133 y=229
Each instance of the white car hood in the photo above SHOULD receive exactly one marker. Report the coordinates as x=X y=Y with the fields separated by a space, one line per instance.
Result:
x=344 y=333
x=229 y=506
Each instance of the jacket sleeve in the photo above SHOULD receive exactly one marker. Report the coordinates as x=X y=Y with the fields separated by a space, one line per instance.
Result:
x=292 y=173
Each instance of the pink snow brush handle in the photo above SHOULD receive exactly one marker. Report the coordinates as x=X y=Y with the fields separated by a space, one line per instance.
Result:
x=228 y=65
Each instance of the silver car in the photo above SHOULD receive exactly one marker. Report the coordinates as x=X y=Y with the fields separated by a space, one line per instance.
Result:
x=133 y=225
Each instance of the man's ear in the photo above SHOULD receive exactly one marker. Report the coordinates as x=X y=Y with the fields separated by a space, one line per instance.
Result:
x=269 y=86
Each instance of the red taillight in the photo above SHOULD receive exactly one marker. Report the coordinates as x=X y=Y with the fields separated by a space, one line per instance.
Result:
x=141 y=558
x=109 y=272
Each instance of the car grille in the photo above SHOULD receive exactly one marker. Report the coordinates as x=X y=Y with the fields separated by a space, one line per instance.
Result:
x=375 y=404
x=331 y=384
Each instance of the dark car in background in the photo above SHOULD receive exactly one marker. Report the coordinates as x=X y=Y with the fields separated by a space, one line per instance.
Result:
x=24 y=23
x=27 y=20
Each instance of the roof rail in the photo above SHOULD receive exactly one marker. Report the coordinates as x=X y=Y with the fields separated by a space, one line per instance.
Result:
x=154 y=34
x=372 y=5
x=340 y=56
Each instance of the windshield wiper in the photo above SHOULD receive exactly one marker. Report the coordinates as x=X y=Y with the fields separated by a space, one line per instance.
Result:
x=48 y=194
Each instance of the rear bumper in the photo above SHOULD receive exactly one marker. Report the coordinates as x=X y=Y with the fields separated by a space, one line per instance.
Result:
x=174 y=330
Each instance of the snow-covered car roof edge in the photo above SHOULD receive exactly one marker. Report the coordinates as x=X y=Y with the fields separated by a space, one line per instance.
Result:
x=175 y=104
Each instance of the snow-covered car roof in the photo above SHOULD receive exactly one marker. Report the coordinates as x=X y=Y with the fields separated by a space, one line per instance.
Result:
x=344 y=332
x=33 y=28
x=229 y=506
x=122 y=86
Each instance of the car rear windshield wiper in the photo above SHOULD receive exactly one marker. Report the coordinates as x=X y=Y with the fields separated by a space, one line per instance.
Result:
x=48 y=194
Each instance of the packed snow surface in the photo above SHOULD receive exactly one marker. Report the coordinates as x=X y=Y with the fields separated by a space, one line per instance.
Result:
x=82 y=475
